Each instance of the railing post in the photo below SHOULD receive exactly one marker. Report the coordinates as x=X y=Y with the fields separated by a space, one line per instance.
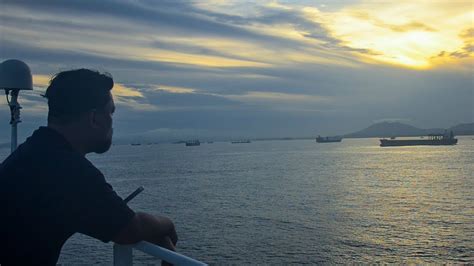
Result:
x=123 y=255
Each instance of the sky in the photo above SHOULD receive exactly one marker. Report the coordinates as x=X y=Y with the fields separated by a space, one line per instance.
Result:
x=224 y=69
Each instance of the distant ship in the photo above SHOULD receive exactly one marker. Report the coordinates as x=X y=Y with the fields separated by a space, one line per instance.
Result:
x=433 y=139
x=136 y=144
x=241 y=141
x=320 y=139
x=193 y=143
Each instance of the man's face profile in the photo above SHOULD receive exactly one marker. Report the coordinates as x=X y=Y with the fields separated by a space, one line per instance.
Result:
x=104 y=130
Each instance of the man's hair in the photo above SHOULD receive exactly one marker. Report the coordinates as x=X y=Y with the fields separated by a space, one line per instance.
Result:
x=71 y=93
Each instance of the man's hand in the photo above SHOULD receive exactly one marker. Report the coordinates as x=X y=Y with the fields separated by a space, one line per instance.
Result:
x=164 y=231
x=145 y=227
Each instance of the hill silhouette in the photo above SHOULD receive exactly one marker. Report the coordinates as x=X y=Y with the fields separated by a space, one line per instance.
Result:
x=396 y=129
x=463 y=129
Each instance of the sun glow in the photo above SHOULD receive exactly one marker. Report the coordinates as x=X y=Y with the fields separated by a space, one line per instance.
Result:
x=41 y=80
x=406 y=33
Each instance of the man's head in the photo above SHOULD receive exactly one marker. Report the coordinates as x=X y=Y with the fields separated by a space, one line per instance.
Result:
x=81 y=99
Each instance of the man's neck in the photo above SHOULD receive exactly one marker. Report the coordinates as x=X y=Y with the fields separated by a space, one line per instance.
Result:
x=70 y=133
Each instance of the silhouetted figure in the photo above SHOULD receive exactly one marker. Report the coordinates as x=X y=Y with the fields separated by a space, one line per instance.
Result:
x=49 y=190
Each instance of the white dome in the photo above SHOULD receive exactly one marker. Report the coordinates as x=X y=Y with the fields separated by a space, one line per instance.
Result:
x=15 y=75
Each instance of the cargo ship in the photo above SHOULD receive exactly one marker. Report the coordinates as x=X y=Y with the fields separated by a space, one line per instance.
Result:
x=193 y=143
x=320 y=139
x=240 y=141
x=433 y=139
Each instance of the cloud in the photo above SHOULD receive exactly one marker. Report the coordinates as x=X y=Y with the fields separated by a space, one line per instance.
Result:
x=231 y=40
x=173 y=89
x=393 y=120
x=461 y=59
x=131 y=98
x=467 y=34
x=120 y=90
x=397 y=27
x=51 y=61
x=182 y=101
x=467 y=50
x=275 y=97
x=164 y=15
x=410 y=26
x=234 y=66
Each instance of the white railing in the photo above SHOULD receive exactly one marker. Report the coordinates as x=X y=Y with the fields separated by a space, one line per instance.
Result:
x=123 y=254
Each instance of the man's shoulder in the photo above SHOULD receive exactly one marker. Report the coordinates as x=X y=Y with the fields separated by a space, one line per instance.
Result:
x=73 y=165
x=50 y=163
x=42 y=147
x=47 y=158
x=59 y=157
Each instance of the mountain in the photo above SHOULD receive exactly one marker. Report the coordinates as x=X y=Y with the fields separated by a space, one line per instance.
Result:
x=463 y=129
x=396 y=129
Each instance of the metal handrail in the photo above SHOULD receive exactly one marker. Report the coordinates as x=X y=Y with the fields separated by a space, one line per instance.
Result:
x=123 y=254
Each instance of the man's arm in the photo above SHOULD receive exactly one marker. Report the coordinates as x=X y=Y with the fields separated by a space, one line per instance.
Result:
x=145 y=227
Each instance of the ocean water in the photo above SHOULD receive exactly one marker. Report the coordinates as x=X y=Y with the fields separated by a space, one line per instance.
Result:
x=298 y=202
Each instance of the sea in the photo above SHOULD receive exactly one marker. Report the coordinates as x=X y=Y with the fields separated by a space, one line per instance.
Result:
x=297 y=201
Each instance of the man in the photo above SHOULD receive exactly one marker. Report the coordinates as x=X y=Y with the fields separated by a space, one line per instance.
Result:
x=49 y=190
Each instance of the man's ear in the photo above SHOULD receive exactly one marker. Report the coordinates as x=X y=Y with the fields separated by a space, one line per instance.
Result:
x=92 y=119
